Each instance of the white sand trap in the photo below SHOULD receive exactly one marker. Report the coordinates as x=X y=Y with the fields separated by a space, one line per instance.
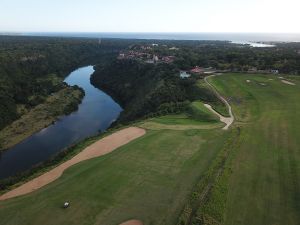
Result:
x=227 y=120
x=99 y=148
x=270 y=79
x=287 y=82
x=132 y=222
x=248 y=81
x=262 y=84
x=280 y=77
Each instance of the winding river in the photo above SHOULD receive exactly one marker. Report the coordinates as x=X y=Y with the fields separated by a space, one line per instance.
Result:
x=95 y=114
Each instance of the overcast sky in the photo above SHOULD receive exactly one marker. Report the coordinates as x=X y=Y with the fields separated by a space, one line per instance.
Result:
x=150 y=16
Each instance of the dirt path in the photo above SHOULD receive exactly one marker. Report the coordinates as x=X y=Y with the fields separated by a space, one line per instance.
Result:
x=132 y=222
x=99 y=148
x=288 y=82
x=227 y=120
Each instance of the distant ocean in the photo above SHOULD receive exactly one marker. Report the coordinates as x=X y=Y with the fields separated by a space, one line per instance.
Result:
x=234 y=37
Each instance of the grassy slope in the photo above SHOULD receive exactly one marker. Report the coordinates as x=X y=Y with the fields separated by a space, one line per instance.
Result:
x=263 y=180
x=197 y=117
x=200 y=112
x=210 y=98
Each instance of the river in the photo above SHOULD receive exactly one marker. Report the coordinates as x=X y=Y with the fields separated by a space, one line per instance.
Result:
x=95 y=114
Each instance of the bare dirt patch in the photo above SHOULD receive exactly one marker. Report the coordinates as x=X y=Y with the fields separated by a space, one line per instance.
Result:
x=227 y=120
x=99 y=148
x=132 y=222
x=288 y=82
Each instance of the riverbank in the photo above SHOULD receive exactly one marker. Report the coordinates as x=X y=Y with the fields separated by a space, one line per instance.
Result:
x=64 y=155
x=56 y=105
x=94 y=115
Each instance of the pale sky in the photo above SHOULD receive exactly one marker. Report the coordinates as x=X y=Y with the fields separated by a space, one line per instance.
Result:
x=279 y=16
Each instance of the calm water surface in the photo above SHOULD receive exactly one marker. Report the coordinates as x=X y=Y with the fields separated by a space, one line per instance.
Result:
x=96 y=113
x=235 y=37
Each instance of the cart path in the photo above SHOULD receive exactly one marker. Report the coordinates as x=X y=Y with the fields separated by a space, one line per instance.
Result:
x=227 y=120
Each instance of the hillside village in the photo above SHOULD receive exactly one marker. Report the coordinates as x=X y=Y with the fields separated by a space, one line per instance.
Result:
x=156 y=54
x=147 y=53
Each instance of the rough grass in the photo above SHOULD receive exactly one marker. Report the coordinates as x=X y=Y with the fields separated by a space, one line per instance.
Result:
x=209 y=97
x=198 y=111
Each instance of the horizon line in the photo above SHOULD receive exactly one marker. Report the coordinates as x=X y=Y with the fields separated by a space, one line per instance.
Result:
x=155 y=32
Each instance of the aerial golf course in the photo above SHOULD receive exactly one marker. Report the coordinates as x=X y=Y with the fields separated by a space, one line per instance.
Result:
x=186 y=169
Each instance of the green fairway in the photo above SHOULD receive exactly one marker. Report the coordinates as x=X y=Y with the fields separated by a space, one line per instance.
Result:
x=263 y=182
x=149 y=179
x=186 y=169
x=197 y=117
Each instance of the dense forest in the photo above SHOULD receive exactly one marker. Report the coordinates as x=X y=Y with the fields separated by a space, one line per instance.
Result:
x=31 y=68
x=146 y=89
x=284 y=57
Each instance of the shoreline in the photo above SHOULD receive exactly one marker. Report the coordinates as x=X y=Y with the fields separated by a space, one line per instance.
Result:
x=18 y=138
x=65 y=154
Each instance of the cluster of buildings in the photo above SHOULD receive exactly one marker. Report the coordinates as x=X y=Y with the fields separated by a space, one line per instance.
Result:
x=147 y=53
x=134 y=55
x=146 y=57
x=197 y=71
x=32 y=58
x=270 y=71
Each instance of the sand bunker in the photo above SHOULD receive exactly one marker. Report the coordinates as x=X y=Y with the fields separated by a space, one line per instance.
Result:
x=99 y=148
x=132 y=222
x=227 y=120
x=287 y=82
x=248 y=81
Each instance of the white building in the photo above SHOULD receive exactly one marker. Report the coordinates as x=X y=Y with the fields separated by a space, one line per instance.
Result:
x=184 y=74
x=275 y=71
